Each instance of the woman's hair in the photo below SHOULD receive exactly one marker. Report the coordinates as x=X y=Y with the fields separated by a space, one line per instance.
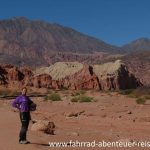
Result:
x=24 y=88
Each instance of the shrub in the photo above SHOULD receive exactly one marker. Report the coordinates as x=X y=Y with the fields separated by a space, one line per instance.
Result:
x=74 y=99
x=126 y=92
x=82 y=92
x=9 y=93
x=147 y=97
x=143 y=90
x=55 y=97
x=46 y=97
x=52 y=97
x=140 y=101
x=82 y=98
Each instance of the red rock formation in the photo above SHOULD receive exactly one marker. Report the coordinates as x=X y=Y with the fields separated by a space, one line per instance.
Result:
x=42 y=80
x=83 y=79
x=115 y=76
x=28 y=76
x=3 y=79
x=102 y=77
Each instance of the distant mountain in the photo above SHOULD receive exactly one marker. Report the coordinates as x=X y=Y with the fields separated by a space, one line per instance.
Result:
x=34 y=39
x=142 y=44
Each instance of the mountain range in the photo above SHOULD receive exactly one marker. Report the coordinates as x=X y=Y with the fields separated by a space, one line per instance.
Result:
x=36 y=43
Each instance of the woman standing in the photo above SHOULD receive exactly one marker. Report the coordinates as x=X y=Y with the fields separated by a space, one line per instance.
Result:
x=25 y=105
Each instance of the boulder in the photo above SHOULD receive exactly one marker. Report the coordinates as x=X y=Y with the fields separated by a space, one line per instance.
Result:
x=44 y=126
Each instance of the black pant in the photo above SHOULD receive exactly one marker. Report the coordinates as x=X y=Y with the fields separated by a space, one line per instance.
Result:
x=24 y=118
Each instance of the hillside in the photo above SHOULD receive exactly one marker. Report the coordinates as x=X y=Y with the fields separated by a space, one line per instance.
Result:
x=23 y=39
x=142 y=44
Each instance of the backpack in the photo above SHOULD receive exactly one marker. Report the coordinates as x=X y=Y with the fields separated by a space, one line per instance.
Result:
x=32 y=107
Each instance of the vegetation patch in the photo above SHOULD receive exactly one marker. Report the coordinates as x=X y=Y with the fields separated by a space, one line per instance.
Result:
x=9 y=93
x=126 y=92
x=140 y=101
x=53 y=97
x=82 y=98
x=142 y=94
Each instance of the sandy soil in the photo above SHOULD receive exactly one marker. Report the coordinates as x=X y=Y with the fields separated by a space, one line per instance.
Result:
x=112 y=117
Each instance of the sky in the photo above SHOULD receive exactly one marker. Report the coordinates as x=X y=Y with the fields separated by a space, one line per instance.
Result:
x=116 y=22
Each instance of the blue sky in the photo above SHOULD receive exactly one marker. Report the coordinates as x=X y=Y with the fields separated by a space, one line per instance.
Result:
x=115 y=21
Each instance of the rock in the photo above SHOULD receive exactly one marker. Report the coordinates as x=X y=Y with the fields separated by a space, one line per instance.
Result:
x=3 y=79
x=129 y=112
x=10 y=74
x=71 y=75
x=74 y=114
x=42 y=80
x=14 y=74
x=44 y=126
x=115 y=76
x=73 y=133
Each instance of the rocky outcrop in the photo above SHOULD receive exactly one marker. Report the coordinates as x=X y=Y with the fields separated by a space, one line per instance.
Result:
x=83 y=79
x=115 y=76
x=73 y=75
x=42 y=80
x=3 y=79
x=10 y=75
x=139 y=64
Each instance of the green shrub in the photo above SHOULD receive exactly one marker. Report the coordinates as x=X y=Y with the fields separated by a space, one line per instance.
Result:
x=147 y=97
x=82 y=92
x=133 y=95
x=52 y=97
x=76 y=94
x=126 y=92
x=74 y=99
x=140 y=101
x=9 y=93
x=82 y=98
x=46 y=97
x=55 y=97
x=143 y=90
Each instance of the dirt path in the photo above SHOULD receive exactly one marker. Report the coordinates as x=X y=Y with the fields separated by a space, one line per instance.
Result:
x=111 y=118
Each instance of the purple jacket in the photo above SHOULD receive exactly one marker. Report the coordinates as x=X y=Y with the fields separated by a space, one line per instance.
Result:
x=22 y=102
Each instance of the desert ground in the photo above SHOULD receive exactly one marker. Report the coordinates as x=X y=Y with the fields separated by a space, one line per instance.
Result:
x=110 y=117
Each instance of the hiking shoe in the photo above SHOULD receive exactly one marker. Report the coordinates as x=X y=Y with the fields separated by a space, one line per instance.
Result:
x=24 y=142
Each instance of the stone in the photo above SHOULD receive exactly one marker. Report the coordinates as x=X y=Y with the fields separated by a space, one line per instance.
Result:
x=44 y=126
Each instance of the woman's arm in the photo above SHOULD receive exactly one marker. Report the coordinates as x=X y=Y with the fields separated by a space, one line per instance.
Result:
x=15 y=103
